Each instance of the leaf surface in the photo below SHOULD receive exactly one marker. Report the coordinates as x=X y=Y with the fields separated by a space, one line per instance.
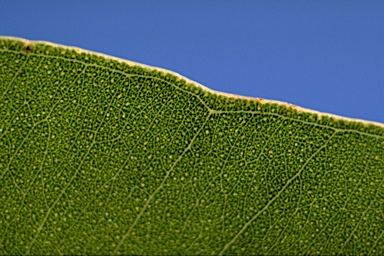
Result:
x=106 y=156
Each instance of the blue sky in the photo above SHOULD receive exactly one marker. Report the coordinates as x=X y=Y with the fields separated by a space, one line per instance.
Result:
x=323 y=55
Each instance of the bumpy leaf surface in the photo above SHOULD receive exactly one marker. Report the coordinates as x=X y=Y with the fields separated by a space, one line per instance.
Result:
x=106 y=156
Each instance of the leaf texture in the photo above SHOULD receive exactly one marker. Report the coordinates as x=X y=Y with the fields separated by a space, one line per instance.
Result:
x=105 y=156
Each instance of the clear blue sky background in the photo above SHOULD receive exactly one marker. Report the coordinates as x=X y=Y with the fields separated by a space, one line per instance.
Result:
x=323 y=55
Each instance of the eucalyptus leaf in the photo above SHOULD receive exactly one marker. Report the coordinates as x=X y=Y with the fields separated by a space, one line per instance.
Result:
x=100 y=155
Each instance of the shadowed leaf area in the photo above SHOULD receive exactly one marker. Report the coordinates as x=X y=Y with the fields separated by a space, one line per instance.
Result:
x=105 y=156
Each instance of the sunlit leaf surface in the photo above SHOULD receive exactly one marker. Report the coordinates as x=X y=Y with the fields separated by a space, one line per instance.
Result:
x=106 y=156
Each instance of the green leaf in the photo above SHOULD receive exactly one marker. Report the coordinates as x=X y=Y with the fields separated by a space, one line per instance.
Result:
x=104 y=156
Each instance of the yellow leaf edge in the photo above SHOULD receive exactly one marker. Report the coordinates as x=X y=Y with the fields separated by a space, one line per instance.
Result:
x=216 y=101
